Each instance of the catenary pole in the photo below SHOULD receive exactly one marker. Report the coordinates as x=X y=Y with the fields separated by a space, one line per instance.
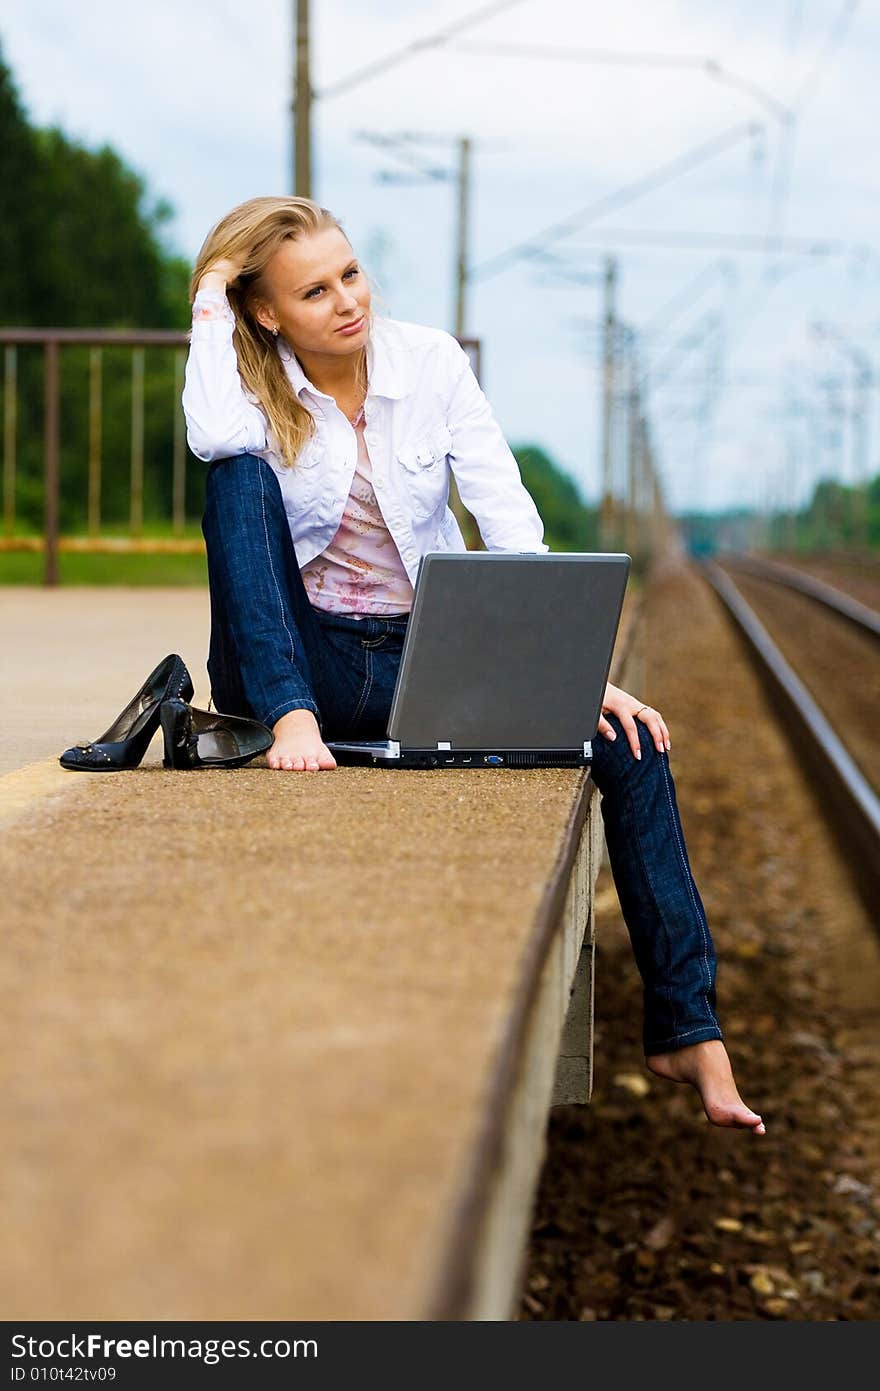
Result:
x=461 y=263
x=609 y=352
x=301 y=105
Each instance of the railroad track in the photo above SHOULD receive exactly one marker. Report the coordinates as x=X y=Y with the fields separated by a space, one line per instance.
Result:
x=864 y=618
x=852 y=804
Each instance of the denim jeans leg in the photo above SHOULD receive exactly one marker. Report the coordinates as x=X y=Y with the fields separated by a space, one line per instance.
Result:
x=265 y=639
x=658 y=897
x=362 y=661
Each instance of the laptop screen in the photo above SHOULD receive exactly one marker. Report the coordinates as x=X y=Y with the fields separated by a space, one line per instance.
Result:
x=508 y=650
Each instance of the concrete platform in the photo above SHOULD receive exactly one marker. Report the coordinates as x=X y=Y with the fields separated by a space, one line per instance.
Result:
x=262 y=1034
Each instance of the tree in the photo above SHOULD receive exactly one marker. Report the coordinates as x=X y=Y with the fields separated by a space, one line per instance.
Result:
x=569 y=525
x=18 y=210
x=80 y=242
x=81 y=247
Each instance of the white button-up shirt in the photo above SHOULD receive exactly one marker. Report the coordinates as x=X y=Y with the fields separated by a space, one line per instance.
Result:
x=425 y=414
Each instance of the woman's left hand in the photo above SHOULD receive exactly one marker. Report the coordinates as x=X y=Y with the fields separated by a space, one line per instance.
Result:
x=627 y=708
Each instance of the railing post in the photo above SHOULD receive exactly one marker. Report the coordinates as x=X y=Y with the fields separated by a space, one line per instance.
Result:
x=51 y=449
x=178 y=486
x=137 y=441
x=10 y=413
x=95 y=423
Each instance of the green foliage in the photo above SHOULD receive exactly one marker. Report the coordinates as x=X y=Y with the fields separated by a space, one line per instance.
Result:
x=19 y=216
x=80 y=244
x=81 y=247
x=569 y=525
x=838 y=517
x=28 y=567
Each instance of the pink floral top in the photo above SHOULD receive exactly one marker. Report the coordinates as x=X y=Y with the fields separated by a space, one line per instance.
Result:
x=360 y=571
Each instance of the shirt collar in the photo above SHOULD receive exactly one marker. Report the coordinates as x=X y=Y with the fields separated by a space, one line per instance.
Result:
x=388 y=369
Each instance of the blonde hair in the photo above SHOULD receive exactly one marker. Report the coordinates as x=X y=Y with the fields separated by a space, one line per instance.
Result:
x=252 y=232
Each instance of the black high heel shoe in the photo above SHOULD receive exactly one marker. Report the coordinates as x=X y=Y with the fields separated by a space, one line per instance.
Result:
x=124 y=744
x=206 y=739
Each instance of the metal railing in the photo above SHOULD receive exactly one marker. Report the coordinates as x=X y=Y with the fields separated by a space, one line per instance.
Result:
x=52 y=340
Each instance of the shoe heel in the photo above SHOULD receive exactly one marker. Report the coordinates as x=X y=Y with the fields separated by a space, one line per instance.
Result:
x=195 y=738
x=173 y=718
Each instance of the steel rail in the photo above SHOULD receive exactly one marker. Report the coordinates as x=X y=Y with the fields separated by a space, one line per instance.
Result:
x=840 y=784
x=862 y=616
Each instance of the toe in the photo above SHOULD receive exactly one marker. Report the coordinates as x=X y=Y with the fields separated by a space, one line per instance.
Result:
x=734 y=1114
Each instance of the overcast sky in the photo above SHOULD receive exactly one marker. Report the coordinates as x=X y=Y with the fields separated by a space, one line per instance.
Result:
x=750 y=402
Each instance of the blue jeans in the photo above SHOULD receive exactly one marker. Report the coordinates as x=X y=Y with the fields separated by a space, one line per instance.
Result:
x=271 y=651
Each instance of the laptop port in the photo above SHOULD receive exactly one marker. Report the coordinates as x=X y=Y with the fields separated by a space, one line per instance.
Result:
x=469 y=759
x=494 y=759
x=449 y=760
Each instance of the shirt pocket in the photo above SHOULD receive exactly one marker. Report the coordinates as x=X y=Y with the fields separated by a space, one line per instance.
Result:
x=424 y=463
x=311 y=454
x=300 y=486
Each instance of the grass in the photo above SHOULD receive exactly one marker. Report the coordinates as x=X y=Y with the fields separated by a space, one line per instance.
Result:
x=133 y=568
x=26 y=567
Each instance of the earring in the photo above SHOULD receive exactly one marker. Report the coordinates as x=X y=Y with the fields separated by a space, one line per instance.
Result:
x=275 y=331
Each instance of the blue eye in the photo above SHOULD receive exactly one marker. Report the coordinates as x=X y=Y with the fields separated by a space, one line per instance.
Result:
x=352 y=270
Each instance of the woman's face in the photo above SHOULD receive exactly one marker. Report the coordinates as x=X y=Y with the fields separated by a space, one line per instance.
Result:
x=315 y=289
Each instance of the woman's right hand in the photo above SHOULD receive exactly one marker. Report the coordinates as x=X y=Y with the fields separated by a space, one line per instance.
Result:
x=221 y=273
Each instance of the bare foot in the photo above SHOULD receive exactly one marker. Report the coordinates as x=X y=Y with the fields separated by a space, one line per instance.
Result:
x=706 y=1066
x=298 y=746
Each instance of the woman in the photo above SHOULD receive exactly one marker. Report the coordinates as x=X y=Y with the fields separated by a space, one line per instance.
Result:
x=330 y=433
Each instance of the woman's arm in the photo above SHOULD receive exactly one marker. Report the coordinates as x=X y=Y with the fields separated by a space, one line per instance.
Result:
x=486 y=472
x=220 y=420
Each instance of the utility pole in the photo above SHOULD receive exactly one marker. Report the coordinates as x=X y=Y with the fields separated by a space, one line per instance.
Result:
x=609 y=353
x=462 y=516
x=646 y=490
x=630 y=520
x=301 y=105
x=461 y=263
x=401 y=146
x=861 y=467
x=791 y=489
x=863 y=381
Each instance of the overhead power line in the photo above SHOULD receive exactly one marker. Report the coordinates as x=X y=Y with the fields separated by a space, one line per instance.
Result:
x=435 y=40
x=687 y=295
x=628 y=194
x=678 y=351
x=786 y=154
x=710 y=67
x=735 y=241
x=400 y=148
x=559 y=266
x=832 y=42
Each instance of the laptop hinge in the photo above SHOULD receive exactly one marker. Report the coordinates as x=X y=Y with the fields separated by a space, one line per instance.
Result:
x=588 y=748
x=394 y=748
x=443 y=744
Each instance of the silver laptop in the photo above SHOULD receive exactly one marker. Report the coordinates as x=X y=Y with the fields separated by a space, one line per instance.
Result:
x=504 y=663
